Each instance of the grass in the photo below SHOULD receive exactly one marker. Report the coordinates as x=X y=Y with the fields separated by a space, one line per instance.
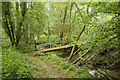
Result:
x=64 y=67
x=38 y=71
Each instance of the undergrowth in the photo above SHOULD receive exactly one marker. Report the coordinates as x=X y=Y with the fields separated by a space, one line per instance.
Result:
x=66 y=66
x=22 y=47
x=25 y=48
x=13 y=66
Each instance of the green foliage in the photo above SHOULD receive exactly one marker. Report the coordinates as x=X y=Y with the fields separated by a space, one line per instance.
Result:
x=116 y=55
x=23 y=48
x=41 y=21
x=6 y=43
x=13 y=66
x=53 y=36
x=43 y=37
x=40 y=54
x=72 y=68
x=80 y=71
x=66 y=66
x=53 y=39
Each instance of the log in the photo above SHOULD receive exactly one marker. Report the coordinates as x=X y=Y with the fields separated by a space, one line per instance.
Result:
x=81 y=56
x=53 y=49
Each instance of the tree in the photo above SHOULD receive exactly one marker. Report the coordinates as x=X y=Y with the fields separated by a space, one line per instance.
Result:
x=13 y=30
x=20 y=20
x=80 y=33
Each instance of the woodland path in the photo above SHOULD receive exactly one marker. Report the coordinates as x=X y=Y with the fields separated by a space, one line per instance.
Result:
x=44 y=69
x=41 y=69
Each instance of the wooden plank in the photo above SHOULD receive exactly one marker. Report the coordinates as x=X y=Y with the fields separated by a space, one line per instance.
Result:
x=53 y=49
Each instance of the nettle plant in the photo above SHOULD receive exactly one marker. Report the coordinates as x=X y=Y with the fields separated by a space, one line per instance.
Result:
x=13 y=66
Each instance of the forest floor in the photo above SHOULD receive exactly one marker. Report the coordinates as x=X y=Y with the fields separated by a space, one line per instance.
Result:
x=44 y=69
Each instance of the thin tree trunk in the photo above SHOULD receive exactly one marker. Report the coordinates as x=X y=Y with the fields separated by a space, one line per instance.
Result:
x=64 y=21
x=8 y=26
x=8 y=31
x=70 y=18
x=88 y=9
x=78 y=36
x=53 y=49
x=19 y=34
x=12 y=32
x=74 y=19
x=26 y=34
x=60 y=22
x=79 y=12
x=71 y=54
x=11 y=27
x=48 y=30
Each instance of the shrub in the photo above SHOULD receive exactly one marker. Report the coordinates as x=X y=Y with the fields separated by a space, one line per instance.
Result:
x=72 y=68
x=43 y=37
x=13 y=66
x=6 y=43
x=25 y=48
x=53 y=37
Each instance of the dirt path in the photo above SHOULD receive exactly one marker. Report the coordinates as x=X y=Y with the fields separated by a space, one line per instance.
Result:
x=43 y=68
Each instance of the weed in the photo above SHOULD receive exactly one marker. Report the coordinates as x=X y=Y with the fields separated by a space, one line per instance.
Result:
x=72 y=68
x=13 y=66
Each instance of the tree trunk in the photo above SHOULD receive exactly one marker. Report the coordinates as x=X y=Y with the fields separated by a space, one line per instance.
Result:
x=70 y=18
x=26 y=34
x=7 y=30
x=71 y=54
x=75 y=44
x=23 y=12
x=69 y=34
x=8 y=25
x=74 y=19
x=64 y=21
x=48 y=30
x=60 y=22
x=53 y=49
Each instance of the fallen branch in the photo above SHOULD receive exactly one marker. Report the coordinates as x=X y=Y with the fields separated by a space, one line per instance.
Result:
x=81 y=56
x=71 y=54
x=103 y=74
x=94 y=55
x=114 y=63
x=107 y=62
x=53 y=49
x=77 y=50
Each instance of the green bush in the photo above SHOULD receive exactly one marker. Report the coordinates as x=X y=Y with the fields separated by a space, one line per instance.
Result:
x=72 y=68
x=25 y=48
x=65 y=66
x=6 y=43
x=13 y=66
x=43 y=37
x=53 y=36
